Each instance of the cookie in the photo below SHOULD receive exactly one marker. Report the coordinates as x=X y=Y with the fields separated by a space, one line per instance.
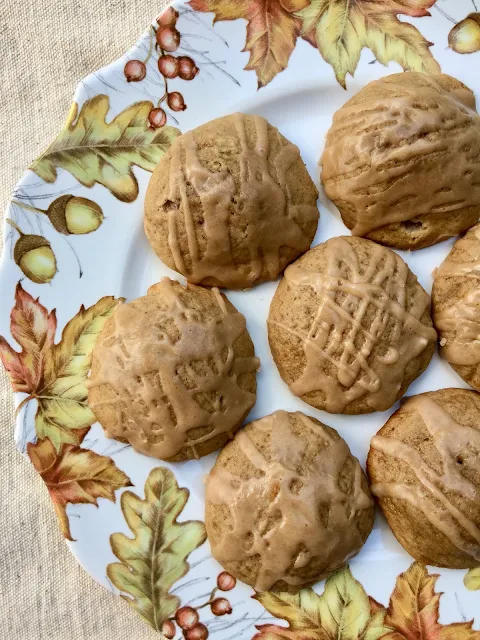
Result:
x=349 y=327
x=401 y=160
x=286 y=503
x=231 y=203
x=456 y=307
x=424 y=469
x=173 y=373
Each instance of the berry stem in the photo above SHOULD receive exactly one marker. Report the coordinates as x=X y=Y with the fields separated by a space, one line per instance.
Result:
x=209 y=601
x=15 y=226
x=28 y=207
x=150 y=47
x=162 y=53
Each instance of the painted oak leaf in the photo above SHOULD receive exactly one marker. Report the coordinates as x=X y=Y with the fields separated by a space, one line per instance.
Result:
x=155 y=558
x=75 y=476
x=342 y=612
x=272 y=30
x=54 y=374
x=34 y=330
x=414 y=610
x=93 y=150
x=472 y=579
x=342 y=28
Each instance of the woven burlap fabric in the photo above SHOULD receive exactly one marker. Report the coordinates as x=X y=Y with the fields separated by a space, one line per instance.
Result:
x=46 y=47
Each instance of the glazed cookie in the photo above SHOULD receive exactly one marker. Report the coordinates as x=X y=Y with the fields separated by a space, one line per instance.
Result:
x=401 y=160
x=173 y=373
x=231 y=203
x=425 y=472
x=349 y=327
x=456 y=307
x=286 y=503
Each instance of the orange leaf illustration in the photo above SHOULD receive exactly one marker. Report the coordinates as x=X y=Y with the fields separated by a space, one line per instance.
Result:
x=34 y=330
x=340 y=29
x=272 y=30
x=75 y=476
x=413 y=610
x=54 y=374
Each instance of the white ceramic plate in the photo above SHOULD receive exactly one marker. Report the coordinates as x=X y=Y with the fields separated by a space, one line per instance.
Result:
x=258 y=57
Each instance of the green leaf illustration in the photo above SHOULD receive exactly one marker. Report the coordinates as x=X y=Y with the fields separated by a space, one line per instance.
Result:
x=342 y=612
x=152 y=561
x=93 y=150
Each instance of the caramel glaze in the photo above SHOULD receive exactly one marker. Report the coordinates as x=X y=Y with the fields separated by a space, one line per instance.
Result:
x=451 y=440
x=289 y=532
x=339 y=327
x=372 y=154
x=459 y=324
x=147 y=362
x=259 y=191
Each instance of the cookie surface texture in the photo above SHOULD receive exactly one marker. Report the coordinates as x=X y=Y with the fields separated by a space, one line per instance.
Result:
x=401 y=160
x=424 y=469
x=173 y=373
x=231 y=203
x=286 y=503
x=349 y=327
x=456 y=307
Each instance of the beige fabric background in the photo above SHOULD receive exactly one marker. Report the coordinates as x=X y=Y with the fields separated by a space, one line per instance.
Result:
x=46 y=47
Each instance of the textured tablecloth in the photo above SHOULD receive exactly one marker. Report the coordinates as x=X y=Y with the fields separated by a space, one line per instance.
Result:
x=46 y=47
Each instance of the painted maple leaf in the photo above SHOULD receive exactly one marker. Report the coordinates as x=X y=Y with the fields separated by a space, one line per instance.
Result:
x=54 y=374
x=340 y=29
x=413 y=610
x=76 y=476
x=344 y=610
x=272 y=30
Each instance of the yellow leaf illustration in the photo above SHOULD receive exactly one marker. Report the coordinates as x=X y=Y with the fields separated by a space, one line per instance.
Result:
x=272 y=30
x=155 y=558
x=342 y=612
x=75 y=476
x=62 y=404
x=54 y=374
x=93 y=150
x=472 y=579
x=345 y=609
x=342 y=28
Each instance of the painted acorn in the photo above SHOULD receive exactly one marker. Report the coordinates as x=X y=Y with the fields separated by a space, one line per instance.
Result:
x=34 y=256
x=465 y=36
x=72 y=215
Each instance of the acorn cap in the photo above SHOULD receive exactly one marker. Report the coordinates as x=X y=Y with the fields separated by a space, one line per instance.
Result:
x=56 y=213
x=27 y=243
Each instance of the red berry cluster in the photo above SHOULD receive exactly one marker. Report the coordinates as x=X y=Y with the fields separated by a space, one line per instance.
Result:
x=187 y=618
x=167 y=39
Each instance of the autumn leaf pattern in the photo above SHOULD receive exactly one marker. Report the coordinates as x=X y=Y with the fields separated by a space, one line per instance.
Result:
x=54 y=374
x=344 y=611
x=76 y=476
x=93 y=150
x=156 y=557
x=272 y=30
x=340 y=29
